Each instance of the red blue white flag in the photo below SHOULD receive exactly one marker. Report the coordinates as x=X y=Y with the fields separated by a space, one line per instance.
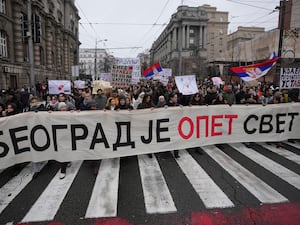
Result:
x=255 y=71
x=152 y=70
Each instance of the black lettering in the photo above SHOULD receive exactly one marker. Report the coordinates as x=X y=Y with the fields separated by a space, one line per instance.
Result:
x=128 y=136
x=54 y=134
x=4 y=146
x=160 y=129
x=148 y=141
x=292 y=119
x=246 y=123
x=33 y=143
x=266 y=122
x=99 y=140
x=15 y=140
x=279 y=122
x=79 y=137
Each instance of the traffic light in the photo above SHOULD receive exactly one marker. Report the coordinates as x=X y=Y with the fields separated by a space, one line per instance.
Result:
x=37 y=29
x=24 y=27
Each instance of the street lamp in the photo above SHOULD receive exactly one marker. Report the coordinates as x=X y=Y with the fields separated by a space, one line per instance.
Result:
x=95 y=63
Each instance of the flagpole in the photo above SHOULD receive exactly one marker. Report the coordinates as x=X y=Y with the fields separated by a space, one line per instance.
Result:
x=281 y=22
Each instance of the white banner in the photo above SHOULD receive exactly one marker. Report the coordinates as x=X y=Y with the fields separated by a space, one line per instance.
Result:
x=105 y=77
x=59 y=86
x=290 y=78
x=163 y=76
x=68 y=136
x=79 y=84
x=186 y=84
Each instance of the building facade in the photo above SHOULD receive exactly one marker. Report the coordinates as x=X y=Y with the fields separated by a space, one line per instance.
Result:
x=54 y=31
x=192 y=41
x=92 y=62
x=181 y=46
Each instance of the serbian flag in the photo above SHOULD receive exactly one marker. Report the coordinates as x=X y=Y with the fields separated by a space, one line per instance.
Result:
x=255 y=71
x=152 y=70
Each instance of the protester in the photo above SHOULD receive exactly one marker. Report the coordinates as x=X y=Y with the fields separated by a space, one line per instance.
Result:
x=122 y=104
x=196 y=99
x=161 y=102
x=100 y=99
x=173 y=102
x=63 y=98
x=139 y=100
x=53 y=103
x=36 y=105
x=111 y=104
x=62 y=106
x=146 y=104
x=2 y=110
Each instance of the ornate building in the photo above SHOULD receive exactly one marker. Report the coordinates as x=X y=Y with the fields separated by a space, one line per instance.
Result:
x=54 y=30
x=194 y=37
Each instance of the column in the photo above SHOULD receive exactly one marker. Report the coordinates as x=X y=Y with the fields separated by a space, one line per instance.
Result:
x=200 y=37
x=174 y=39
x=18 y=45
x=49 y=39
x=204 y=36
x=188 y=37
x=183 y=36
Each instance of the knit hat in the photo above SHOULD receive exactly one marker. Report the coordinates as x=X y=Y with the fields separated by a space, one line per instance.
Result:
x=61 y=104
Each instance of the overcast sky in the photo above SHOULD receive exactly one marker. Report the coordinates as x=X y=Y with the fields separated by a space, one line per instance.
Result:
x=131 y=26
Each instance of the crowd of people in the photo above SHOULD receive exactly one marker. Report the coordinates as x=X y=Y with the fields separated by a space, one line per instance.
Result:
x=146 y=94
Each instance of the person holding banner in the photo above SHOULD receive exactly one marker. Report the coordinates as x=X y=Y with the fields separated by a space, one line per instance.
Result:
x=110 y=104
x=100 y=99
x=62 y=106
x=63 y=98
x=173 y=101
x=196 y=99
x=35 y=105
x=146 y=104
x=122 y=104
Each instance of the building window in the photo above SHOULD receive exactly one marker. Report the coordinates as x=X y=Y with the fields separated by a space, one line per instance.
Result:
x=221 y=42
x=3 y=44
x=191 y=31
x=2 y=6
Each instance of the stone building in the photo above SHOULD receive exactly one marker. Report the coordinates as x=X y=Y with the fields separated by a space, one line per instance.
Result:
x=194 y=37
x=92 y=62
x=55 y=41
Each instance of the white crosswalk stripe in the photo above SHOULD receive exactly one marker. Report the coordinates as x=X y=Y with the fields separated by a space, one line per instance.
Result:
x=48 y=203
x=157 y=196
x=104 y=199
x=286 y=154
x=253 y=184
x=277 y=169
x=12 y=188
x=156 y=193
x=211 y=195
x=296 y=144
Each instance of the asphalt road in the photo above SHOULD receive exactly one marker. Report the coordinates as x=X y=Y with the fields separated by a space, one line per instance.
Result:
x=223 y=184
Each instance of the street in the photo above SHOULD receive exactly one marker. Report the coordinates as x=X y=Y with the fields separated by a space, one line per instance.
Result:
x=220 y=184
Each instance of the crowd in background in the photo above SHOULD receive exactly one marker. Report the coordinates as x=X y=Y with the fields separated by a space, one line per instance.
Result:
x=145 y=94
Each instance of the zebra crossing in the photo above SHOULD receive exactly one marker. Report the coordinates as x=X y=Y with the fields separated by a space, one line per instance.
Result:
x=207 y=178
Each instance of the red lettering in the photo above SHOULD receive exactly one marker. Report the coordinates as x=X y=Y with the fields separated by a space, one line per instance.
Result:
x=230 y=117
x=198 y=125
x=214 y=124
x=190 y=122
